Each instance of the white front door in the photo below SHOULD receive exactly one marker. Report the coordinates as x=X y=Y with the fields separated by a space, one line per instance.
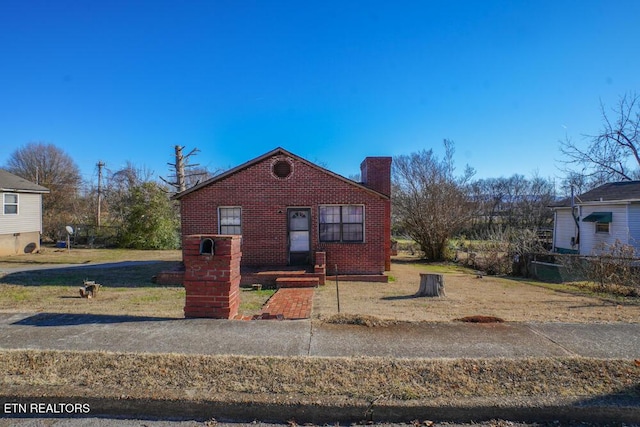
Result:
x=299 y=224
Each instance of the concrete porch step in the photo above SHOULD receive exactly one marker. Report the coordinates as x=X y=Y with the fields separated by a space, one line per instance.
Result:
x=297 y=282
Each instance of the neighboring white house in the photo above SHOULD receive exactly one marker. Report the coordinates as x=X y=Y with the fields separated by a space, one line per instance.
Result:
x=598 y=218
x=21 y=215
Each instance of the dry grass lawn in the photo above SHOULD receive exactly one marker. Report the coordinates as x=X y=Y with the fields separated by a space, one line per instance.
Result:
x=126 y=290
x=514 y=300
x=129 y=291
x=305 y=379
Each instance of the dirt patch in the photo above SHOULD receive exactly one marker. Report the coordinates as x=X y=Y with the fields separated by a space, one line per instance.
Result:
x=357 y=319
x=513 y=300
x=480 y=319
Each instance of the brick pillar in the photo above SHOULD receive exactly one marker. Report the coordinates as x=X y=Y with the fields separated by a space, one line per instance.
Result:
x=321 y=258
x=212 y=280
x=320 y=267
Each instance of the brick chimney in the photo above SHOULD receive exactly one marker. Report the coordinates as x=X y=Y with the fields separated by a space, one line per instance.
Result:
x=375 y=173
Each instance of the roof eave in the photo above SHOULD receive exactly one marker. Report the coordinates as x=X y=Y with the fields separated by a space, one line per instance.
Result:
x=22 y=190
x=597 y=203
x=608 y=202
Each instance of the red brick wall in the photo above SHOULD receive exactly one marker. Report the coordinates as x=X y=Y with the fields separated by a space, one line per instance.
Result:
x=264 y=199
x=212 y=282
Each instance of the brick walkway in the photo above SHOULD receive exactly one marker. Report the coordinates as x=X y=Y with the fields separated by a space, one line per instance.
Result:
x=289 y=304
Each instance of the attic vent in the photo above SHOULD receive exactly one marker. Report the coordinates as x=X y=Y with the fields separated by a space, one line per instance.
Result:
x=281 y=169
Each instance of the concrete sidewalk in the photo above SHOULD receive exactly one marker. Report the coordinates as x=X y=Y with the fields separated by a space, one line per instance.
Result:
x=307 y=338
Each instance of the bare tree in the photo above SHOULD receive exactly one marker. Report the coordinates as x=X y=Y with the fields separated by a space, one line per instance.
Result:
x=516 y=202
x=575 y=183
x=488 y=195
x=184 y=173
x=200 y=174
x=47 y=165
x=118 y=189
x=613 y=154
x=430 y=203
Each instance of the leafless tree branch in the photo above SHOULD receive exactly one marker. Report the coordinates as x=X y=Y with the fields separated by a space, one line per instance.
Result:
x=614 y=153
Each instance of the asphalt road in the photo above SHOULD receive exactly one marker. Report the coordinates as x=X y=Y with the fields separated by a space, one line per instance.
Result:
x=114 y=422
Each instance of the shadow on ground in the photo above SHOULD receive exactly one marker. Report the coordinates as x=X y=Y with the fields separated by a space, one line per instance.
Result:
x=69 y=319
x=629 y=397
x=118 y=274
x=410 y=260
x=400 y=297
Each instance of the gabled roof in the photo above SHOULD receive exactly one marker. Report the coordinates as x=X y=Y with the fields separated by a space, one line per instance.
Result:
x=13 y=183
x=274 y=152
x=612 y=192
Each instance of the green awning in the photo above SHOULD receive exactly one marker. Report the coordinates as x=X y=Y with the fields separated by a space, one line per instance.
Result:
x=598 y=217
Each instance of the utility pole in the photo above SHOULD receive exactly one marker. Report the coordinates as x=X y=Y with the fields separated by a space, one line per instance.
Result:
x=98 y=214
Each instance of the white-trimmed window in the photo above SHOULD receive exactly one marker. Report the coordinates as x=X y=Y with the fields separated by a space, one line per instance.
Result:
x=601 y=220
x=341 y=223
x=230 y=219
x=10 y=202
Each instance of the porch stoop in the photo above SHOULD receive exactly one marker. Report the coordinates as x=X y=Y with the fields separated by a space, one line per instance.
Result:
x=297 y=282
x=287 y=276
x=269 y=277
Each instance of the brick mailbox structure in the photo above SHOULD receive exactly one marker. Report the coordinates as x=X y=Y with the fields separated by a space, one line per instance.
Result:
x=212 y=276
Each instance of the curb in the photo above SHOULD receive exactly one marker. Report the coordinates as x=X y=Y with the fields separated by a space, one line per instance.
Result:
x=622 y=410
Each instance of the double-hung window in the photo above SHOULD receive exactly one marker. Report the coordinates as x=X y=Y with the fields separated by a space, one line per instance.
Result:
x=343 y=223
x=230 y=219
x=10 y=202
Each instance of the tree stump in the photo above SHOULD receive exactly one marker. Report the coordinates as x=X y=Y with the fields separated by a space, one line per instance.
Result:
x=431 y=285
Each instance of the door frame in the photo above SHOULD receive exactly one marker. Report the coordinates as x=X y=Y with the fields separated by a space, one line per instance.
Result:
x=300 y=257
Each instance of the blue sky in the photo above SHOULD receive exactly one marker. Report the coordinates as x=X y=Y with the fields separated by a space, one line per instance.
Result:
x=332 y=81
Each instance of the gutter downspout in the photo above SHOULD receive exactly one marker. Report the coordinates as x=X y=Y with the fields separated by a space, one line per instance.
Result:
x=555 y=225
x=575 y=218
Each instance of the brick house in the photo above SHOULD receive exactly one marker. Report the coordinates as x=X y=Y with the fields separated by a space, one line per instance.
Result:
x=288 y=210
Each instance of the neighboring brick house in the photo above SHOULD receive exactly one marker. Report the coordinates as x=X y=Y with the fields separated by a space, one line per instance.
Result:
x=21 y=215
x=287 y=209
